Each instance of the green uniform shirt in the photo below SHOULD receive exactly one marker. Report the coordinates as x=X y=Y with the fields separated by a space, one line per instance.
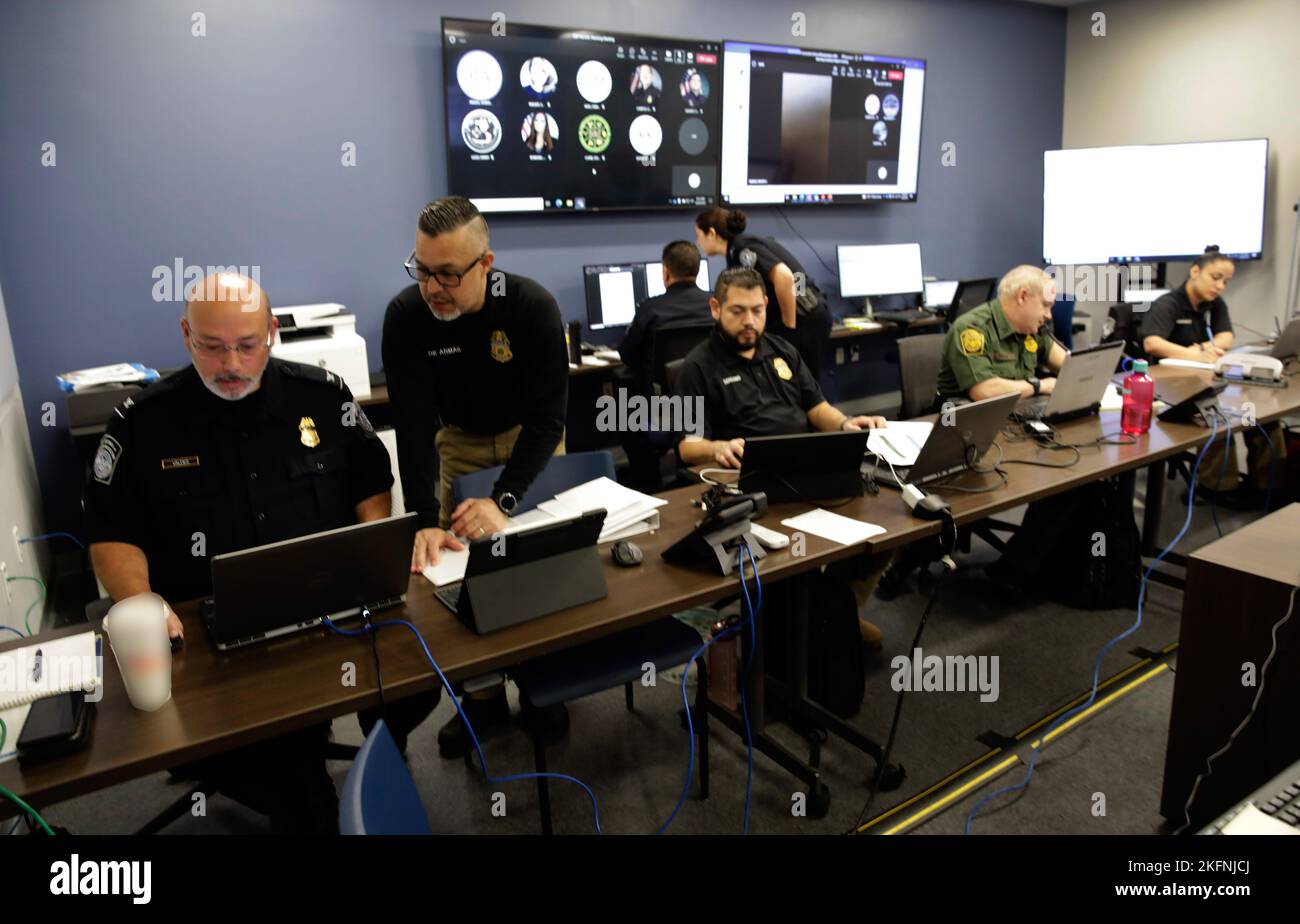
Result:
x=981 y=345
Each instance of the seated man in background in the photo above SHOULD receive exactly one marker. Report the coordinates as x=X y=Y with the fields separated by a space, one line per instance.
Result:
x=238 y=450
x=682 y=302
x=997 y=348
x=756 y=384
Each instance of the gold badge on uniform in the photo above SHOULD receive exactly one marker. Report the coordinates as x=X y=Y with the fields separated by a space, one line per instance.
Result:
x=782 y=369
x=307 y=433
x=972 y=342
x=1031 y=343
x=501 y=347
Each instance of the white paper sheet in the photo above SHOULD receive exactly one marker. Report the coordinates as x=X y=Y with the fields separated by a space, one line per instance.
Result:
x=834 y=527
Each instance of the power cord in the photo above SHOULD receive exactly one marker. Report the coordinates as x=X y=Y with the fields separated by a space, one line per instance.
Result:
x=949 y=566
x=1232 y=738
x=834 y=274
x=372 y=627
x=1096 y=670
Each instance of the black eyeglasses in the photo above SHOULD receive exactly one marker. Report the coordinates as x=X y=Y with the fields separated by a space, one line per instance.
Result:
x=445 y=278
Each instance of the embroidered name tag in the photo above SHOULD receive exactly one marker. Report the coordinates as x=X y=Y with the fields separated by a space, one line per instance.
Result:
x=731 y=380
x=180 y=462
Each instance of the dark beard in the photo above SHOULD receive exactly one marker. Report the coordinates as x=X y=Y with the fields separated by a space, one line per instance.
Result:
x=734 y=342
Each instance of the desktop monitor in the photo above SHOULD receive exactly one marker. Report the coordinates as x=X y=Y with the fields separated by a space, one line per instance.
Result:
x=614 y=290
x=879 y=269
x=654 y=278
x=939 y=293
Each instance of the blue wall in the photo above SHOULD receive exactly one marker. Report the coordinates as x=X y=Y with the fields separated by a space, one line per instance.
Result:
x=226 y=150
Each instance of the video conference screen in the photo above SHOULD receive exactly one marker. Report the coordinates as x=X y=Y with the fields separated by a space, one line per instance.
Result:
x=545 y=119
x=804 y=126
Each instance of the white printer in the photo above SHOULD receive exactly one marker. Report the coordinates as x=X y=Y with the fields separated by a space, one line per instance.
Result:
x=325 y=336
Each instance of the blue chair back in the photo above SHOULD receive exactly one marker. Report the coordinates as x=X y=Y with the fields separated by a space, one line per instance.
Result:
x=560 y=474
x=1063 y=321
x=379 y=796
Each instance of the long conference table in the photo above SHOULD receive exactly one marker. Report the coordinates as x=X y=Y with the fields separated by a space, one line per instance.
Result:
x=223 y=700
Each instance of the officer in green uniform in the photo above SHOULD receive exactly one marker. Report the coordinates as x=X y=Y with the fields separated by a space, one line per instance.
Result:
x=998 y=347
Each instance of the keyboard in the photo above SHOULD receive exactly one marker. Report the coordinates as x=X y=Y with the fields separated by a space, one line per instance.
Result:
x=903 y=316
x=1278 y=799
x=449 y=594
x=1031 y=408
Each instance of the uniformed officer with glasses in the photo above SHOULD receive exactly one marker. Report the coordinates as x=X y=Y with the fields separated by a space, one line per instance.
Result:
x=478 y=376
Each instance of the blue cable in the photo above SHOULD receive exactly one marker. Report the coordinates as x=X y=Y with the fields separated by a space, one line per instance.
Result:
x=13 y=630
x=690 y=725
x=1096 y=669
x=595 y=808
x=53 y=536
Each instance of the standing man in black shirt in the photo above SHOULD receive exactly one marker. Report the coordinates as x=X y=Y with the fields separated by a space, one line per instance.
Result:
x=796 y=310
x=234 y=451
x=682 y=302
x=478 y=376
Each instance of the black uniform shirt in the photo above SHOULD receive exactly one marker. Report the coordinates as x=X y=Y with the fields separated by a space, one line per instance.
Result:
x=681 y=302
x=185 y=475
x=1172 y=317
x=502 y=366
x=769 y=395
x=764 y=254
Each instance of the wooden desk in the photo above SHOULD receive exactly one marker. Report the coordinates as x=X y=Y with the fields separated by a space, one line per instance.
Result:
x=1237 y=588
x=224 y=700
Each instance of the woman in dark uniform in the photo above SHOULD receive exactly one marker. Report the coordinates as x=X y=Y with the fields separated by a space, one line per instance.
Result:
x=807 y=327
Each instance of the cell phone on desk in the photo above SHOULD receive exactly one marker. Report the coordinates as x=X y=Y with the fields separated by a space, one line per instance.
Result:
x=56 y=725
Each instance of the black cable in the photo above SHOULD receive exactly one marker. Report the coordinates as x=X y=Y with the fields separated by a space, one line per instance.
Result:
x=898 y=703
x=834 y=275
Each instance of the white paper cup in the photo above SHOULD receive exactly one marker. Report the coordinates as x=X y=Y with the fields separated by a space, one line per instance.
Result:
x=137 y=632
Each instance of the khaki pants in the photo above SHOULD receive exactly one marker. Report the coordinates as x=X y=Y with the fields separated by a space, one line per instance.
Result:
x=1214 y=476
x=461 y=452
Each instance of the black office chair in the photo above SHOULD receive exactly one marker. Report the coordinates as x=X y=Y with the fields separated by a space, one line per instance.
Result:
x=971 y=293
x=919 y=360
x=673 y=342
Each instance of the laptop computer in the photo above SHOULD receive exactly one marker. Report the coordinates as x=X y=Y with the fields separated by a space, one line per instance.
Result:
x=952 y=449
x=518 y=576
x=283 y=587
x=1286 y=345
x=804 y=466
x=1080 y=385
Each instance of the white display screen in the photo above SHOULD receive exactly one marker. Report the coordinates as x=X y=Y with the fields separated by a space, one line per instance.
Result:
x=1154 y=202
x=941 y=293
x=654 y=278
x=880 y=269
x=806 y=126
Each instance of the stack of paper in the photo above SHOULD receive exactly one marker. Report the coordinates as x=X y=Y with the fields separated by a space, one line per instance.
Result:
x=83 y=379
x=627 y=512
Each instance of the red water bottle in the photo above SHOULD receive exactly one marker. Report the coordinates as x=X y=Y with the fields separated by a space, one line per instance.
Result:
x=1139 y=394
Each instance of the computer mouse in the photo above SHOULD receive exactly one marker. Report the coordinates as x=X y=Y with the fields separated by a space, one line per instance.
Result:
x=627 y=554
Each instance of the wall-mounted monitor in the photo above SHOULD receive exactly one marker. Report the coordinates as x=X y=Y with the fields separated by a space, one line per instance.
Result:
x=806 y=126
x=1154 y=202
x=548 y=119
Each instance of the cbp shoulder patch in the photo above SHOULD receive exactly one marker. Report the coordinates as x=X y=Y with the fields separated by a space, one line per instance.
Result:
x=106 y=459
x=748 y=258
x=972 y=342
